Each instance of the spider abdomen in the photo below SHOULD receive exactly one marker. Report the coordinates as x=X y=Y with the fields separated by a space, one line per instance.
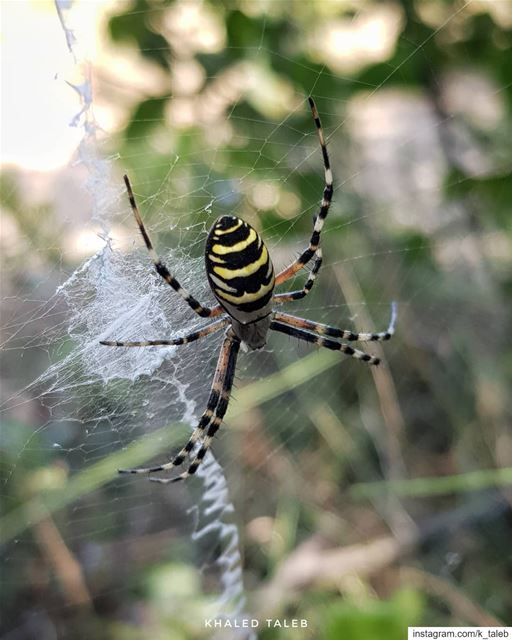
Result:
x=239 y=270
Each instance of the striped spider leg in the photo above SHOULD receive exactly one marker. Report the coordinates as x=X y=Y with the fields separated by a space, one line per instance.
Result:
x=190 y=337
x=316 y=333
x=211 y=419
x=314 y=242
x=161 y=269
x=292 y=296
x=306 y=329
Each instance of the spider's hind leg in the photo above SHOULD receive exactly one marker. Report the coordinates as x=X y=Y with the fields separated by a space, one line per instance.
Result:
x=334 y=332
x=228 y=357
x=212 y=416
x=320 y=341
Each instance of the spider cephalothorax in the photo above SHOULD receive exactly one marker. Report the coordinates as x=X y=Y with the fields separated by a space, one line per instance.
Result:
x=241 y=276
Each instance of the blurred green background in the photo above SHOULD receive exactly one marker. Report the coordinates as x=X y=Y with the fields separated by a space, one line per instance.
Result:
x=366 y=500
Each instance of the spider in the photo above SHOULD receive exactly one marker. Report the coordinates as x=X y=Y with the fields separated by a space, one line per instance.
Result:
x=241 y=276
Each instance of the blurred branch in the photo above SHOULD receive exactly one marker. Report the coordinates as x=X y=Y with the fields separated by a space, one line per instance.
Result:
x=311 y=565
x=67 y=570
x=292 y=376
x=435 y=486
x=314 y=565
x=461 y=606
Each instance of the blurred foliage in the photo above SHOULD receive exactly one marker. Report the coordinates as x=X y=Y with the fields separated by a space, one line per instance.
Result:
x=437 y=421
x=375 y=619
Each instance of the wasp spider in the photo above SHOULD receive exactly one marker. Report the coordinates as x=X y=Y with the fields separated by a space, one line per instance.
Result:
x=241 y=276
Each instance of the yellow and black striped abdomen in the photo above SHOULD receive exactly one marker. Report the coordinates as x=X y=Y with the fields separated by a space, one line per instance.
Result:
x=239 y=269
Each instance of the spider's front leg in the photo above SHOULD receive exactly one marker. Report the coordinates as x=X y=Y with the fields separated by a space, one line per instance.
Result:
x=161 y=269
x=211 y=418
x=291 y=296
x=320 y=217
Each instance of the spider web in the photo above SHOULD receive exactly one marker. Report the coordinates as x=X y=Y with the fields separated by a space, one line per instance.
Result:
x=388 y=151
